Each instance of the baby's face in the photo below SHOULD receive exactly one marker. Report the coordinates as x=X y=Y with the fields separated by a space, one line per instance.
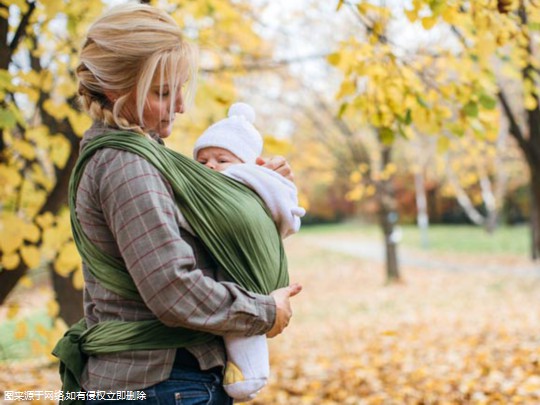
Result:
x=217 y=158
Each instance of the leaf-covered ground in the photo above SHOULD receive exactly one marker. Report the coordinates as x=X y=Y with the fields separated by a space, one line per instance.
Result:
x=440 y=337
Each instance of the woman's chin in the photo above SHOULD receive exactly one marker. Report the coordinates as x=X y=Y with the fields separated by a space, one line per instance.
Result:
x=165 y=132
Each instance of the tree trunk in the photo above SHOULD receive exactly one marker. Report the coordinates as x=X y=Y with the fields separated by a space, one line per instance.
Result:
x=9 y=279
x=422 y=217
x=70 y=300
x=535 y=209
x=463 y=199
x=388 y=217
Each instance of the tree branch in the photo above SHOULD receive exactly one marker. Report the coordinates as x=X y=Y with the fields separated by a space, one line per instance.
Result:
x=263 y=65
x=515 y=130
x=21 y=29
x=533 y=116
x=368 y=25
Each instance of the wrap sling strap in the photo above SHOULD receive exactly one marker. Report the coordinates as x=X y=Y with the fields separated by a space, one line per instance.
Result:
x=230 y=219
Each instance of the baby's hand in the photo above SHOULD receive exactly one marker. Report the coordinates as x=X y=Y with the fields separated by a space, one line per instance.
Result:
x=278 y=164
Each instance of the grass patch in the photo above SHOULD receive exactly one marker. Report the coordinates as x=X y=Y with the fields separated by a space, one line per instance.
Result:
x=17 y=335
x=471 y=239
x=465 y=239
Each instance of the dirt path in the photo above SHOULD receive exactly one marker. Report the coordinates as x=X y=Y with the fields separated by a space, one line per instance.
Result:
x=372 y=250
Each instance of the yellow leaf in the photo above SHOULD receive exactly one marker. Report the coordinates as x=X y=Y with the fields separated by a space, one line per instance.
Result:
x=45 y=220
x=58 y=111
x=26 y=281
x=429 y=22
x=13 y=310
x=37 y=347
x=412 y=15
x=356 y=193
x=31 y=232
x=68 y=259
x=450 y=15
x=79 y=122
x=334 y=58
x=39 y=135
x=31 y=256
x=21 y=330
x=60 y=149
x=530 y=102
x=443 y=143
x=348 y=87
x=9 y=175
x=303 y=201
x=78 y=279
x=10 y=261
x=355 y=177
x=276 y=146
x=52 y=308
x=41 y=330
x=26 y=149
x=391 y=168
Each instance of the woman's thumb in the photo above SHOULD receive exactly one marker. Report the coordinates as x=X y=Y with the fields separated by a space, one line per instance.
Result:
x=294 y=289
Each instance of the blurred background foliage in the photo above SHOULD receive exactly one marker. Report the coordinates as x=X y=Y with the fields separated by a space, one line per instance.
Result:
x=401 y=114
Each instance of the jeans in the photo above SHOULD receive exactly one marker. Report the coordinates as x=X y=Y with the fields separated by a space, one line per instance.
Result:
x=184 y=387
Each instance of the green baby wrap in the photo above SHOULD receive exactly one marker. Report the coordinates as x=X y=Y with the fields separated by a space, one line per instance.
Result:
x=229 y=218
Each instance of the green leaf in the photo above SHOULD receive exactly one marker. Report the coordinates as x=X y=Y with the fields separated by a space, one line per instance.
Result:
x=386 y=135
x=471 y=109
x=489 y=103
x=443 y=143
x=408 y=117
x=6 y=81
x=437 y=6
x=534 y=26
x=457 y=129
x=342 y=109
x=421 y=101
x=7 y=119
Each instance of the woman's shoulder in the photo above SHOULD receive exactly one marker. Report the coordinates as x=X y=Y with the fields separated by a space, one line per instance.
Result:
x=108 y=161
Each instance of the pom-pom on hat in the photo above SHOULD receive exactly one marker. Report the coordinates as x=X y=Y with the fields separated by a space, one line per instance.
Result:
x=235 y=133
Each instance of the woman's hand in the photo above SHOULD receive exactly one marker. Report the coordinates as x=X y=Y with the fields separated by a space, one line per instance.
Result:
x=283 y=307
x=278 y=164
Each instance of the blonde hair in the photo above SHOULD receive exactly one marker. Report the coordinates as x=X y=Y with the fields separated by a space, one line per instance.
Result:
x=124 y=51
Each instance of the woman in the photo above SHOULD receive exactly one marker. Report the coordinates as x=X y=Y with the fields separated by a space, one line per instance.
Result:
x=133 y=67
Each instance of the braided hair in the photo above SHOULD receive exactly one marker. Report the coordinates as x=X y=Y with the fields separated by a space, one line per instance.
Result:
x=125 y=50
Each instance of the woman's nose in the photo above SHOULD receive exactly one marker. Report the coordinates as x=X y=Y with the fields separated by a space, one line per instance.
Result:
x=179 y=104
x=210 y=165
x=179 y=107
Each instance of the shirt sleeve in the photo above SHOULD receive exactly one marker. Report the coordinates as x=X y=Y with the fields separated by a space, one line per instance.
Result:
x=140 y=211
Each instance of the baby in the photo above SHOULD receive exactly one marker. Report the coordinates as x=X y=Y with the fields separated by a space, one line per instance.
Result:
x=231 y=146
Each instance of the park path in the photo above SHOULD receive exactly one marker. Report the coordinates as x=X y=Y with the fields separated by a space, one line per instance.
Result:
x=373 y=250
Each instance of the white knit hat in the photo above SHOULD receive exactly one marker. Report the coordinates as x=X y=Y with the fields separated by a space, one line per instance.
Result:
x=235 y=134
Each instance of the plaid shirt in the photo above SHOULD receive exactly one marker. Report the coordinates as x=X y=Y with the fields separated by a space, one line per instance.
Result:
x=127 y=209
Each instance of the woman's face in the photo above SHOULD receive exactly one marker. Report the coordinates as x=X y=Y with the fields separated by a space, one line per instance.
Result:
x=157 y=115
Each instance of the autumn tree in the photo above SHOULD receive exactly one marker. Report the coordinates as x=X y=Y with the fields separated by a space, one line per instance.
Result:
x=41 y=124
x=447 y=90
